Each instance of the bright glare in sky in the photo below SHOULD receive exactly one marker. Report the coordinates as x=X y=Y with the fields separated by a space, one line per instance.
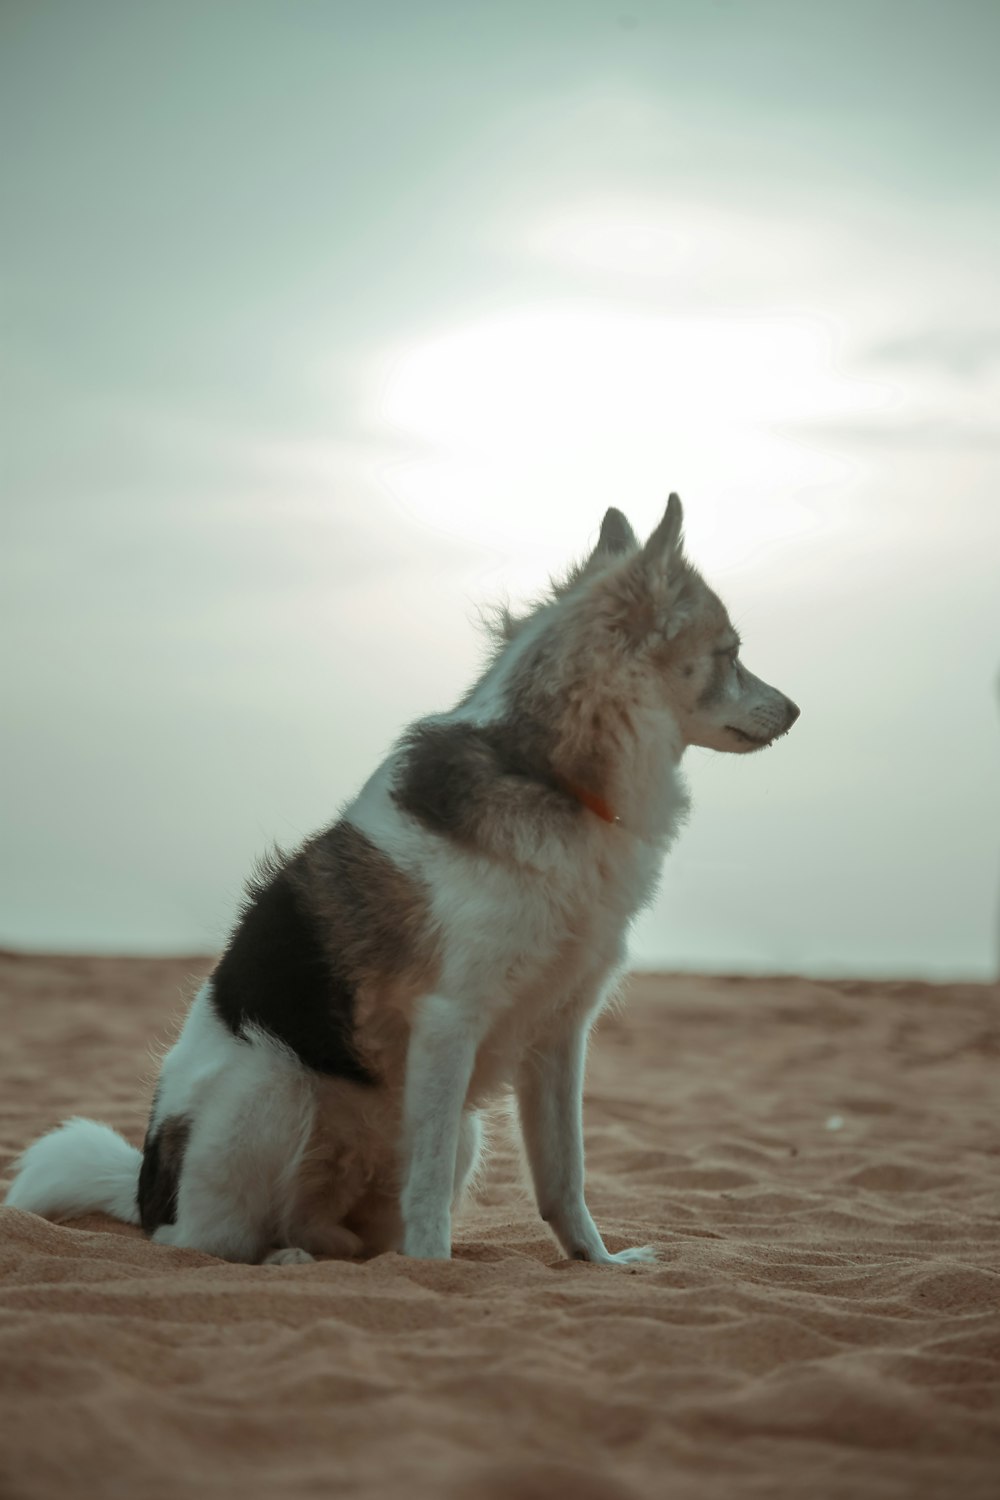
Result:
x=527 y=424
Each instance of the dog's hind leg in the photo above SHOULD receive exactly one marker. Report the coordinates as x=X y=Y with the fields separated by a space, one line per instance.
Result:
x=550 y=1102
x=230 y=1123
x=233 y=1191
x=222 y=1199
x=439 y=1064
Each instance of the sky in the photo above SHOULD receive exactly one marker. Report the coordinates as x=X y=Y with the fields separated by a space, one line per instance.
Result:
x=324 y=325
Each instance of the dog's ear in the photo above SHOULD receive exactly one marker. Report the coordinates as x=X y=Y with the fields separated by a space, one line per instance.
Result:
x=668 y=571
x=616 y=539
x=616 y=535
x=665 y=546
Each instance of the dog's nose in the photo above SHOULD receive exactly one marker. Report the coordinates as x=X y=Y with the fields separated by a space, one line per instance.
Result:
x=793 y=712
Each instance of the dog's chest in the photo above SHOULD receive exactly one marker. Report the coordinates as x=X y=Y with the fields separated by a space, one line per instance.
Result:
x=539 y=988
x=515 y=938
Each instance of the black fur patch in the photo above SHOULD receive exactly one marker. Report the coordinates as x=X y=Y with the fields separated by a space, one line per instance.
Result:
x=447 y=771
x=455 y=775
x=281 y=972
x=160 y=1173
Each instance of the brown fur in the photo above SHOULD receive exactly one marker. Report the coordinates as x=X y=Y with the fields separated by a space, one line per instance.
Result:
x=374 y=914
x=374 y=918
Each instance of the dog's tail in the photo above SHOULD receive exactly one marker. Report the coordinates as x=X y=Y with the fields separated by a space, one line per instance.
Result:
x=78 y=1168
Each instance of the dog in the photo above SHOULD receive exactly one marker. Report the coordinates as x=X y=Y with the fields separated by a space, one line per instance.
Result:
x=451 y=937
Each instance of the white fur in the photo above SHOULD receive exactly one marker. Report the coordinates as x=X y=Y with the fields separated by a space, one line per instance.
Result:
x=78 y=1168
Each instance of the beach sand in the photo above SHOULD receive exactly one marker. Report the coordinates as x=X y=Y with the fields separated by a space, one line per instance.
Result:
x=819 y=1164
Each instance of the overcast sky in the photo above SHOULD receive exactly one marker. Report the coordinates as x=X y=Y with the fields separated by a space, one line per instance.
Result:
x=323 y=324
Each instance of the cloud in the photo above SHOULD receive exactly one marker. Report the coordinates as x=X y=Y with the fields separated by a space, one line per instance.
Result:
x=963 y=352
x=933 y=433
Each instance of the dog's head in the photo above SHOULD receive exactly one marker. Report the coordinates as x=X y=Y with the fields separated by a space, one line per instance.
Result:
x=681 y=633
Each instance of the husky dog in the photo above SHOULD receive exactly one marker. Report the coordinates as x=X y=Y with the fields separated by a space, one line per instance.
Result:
x=455 y=933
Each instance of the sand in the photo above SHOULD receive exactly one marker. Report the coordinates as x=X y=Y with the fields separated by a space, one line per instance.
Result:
x=817 y=1162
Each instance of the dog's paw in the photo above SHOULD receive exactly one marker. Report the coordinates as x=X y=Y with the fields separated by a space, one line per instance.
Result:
x=640 y=1255
x=289 y=1255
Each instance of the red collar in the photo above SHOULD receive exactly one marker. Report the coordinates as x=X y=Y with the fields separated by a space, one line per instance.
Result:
x=590 y=800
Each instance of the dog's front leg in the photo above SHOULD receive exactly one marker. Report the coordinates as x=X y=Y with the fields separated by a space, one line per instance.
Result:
x=439 y=1064
x=550 y=1103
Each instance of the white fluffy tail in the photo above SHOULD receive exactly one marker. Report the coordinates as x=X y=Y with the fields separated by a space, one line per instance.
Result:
x=76 y=1169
